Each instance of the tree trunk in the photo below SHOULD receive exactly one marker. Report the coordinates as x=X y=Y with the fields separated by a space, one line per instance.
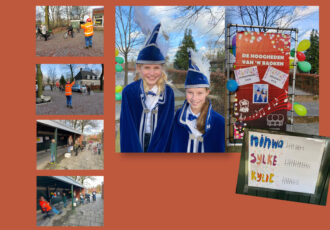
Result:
x=101 y=78
x=47 y=17
x=71 y=71
x=126 y=69
x=39 y=80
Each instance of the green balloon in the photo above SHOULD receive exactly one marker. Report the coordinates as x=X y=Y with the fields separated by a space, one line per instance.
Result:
x=119 y=68
x=120 y=60
x=300 y=109
x=304 y=66
x=292 y=53
x=118 y=96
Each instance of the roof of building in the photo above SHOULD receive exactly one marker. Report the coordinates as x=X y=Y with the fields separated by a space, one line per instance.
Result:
x=82 y=75
x=98 y=10
x=58 y=125
x=58 y=181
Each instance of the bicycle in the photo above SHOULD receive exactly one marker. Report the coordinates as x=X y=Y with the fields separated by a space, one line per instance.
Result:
x=68 y=33
x=40 y=35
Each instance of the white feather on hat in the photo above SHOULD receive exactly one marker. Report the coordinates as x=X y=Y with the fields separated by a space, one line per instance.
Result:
x=201 y=62
x=146 y=23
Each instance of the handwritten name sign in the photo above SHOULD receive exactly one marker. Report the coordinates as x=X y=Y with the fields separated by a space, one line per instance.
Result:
x=284 y=162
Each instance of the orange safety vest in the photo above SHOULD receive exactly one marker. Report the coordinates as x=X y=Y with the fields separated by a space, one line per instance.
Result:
x=44 y=206
x=88 y=27
x=68 y=89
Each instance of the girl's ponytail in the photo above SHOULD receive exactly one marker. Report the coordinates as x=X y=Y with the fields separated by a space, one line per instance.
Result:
x=200 y=123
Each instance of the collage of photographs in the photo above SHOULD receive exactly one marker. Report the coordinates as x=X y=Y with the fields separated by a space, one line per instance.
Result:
x=188 y=80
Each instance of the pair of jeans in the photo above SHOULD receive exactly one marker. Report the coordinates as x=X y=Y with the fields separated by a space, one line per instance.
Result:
x=88 y=41
x=52 y=157
x=54 y=210
x=69 y=100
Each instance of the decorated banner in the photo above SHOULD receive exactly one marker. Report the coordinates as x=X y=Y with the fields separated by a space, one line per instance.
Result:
x=282 y=162
x=262 y=72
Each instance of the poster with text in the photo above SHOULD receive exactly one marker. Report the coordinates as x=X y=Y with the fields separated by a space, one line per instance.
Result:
x=268 y=55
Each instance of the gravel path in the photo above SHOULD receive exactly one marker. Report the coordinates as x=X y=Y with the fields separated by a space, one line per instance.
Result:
x=82 y=104
x=58 y=46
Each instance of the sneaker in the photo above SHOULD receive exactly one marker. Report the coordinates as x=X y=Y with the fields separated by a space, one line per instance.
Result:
x=90 y=46
x=86 y=47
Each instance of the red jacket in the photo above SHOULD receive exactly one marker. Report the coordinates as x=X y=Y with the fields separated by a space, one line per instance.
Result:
x=45 y=206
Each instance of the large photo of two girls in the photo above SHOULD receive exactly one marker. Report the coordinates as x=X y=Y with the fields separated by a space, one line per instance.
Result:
x=194 y=79
x=169 y=68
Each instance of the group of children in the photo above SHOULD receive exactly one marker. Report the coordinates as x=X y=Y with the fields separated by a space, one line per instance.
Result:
x=147 y=120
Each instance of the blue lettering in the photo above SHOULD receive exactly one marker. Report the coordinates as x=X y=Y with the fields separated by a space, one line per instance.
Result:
x=255 y=139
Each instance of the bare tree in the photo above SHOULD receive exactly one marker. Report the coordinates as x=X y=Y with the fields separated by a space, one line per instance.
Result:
x=68 y=13
x=101 y=78
x=52 y=15
x=127 y=36
x=47 y=16
x=51 y=74
x=188 y=15
x=39 y=80
x=82 y=179
x=82 y=124
x=78 y=12
x=268 y=16
x=71 y=67
x=40 y=14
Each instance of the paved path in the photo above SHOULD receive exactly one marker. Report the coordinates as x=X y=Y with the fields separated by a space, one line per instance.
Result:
x=58 y=46
x=43 y=157
x=82 y=104
x=88 y=214
x=85 y=160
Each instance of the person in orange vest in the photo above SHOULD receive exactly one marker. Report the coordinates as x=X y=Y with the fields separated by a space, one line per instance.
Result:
x=45 y=206
x=68 y=93
x=88 y=28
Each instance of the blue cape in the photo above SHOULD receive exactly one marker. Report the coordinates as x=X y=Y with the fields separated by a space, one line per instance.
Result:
x=213 y=140
x=133 y=114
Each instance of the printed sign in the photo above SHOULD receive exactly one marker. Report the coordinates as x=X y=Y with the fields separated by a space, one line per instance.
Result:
x=261 y=71
x=246 y=76
x=40 y=139
x=275 y=77
x=284 y=162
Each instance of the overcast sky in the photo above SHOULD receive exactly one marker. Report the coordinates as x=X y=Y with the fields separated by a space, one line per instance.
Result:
x=88 y=183
x=89 y=130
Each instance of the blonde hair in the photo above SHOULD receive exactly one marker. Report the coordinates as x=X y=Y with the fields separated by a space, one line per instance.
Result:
x=160 y=83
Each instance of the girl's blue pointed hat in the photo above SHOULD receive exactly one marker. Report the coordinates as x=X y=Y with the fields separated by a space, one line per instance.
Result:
x=197 y=76
x=151 y=54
